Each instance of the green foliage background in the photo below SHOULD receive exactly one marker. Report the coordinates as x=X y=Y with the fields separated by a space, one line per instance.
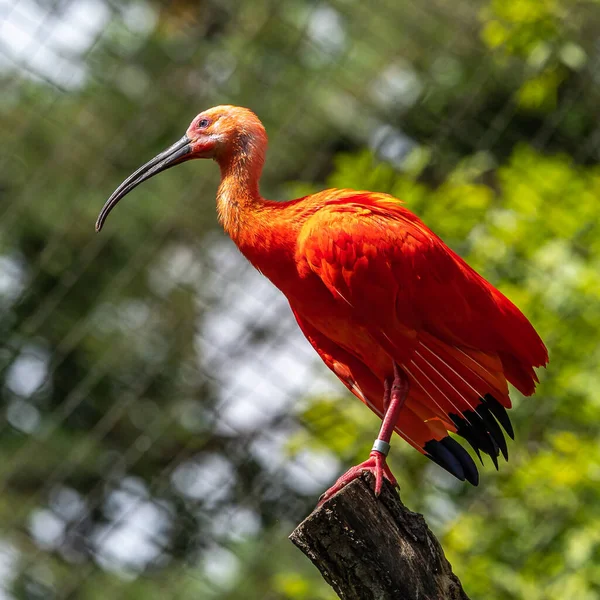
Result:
x=117 y=352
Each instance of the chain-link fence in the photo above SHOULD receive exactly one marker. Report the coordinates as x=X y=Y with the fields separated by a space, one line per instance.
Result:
x=164 y=422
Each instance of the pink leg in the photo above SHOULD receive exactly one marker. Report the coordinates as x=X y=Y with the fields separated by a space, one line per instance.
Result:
x=393 y=401
x=387 y=390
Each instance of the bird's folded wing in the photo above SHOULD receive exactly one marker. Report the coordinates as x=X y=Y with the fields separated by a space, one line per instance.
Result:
x=399 y=276
x=457 y=338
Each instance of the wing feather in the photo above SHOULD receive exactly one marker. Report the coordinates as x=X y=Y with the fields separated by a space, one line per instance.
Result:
x=456 y=336
x=399 y=276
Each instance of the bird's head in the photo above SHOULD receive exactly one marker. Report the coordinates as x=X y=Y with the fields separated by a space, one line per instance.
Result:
x=224 y=133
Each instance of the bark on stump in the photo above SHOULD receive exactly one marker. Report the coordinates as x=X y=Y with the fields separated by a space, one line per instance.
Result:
x=370 y=548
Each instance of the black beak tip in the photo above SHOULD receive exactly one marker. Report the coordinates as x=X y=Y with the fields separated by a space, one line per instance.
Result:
x=99 y=224
x=180 y=151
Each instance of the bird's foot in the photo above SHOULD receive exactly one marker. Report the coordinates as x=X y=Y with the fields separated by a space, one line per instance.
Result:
x=376 y=464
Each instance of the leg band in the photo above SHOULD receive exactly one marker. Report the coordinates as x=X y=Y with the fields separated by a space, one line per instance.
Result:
x=381 y=446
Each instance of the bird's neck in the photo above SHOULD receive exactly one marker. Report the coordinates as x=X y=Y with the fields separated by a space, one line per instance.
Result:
x=265 y=231
x=238 y=197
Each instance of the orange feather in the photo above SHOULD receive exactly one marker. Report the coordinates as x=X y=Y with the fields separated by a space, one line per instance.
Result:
x=371 y=286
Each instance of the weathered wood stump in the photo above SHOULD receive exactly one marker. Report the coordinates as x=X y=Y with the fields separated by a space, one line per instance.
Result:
x=370 y=548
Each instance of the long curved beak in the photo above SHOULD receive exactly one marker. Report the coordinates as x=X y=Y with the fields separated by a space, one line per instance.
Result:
x=179 y=152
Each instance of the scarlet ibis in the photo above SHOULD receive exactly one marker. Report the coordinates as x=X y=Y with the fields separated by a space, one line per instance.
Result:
x=407 y=326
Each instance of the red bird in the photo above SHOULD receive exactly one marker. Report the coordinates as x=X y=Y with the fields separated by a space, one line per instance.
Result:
x=406 y=325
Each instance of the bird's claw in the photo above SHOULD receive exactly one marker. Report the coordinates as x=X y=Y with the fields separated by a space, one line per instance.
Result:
x=376 y=464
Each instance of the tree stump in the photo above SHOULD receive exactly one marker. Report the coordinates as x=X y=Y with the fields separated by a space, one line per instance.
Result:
x=370 y=548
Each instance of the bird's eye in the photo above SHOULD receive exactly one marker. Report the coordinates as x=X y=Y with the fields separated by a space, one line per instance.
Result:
x=203 y=123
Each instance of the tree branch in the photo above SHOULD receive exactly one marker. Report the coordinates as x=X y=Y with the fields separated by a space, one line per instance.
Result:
x=371 y=548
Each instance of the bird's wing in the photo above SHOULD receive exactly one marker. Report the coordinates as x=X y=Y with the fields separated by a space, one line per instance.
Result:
x=376 y=255
x=421 y=425
x=457 y=337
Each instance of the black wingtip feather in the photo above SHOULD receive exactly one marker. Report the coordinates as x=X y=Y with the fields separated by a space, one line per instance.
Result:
x=494 y=455
x=469 y=467
x=481 y=428
x=437 y=452
x=469 y=426
x=501 y=415
x=476 y=450
x=493 y=428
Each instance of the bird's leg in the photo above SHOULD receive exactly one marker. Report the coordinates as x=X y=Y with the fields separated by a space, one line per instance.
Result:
x=394 y=397
x=387 y=390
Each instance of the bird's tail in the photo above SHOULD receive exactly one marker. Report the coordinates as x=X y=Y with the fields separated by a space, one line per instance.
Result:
x=458 y=390
x=453 y=389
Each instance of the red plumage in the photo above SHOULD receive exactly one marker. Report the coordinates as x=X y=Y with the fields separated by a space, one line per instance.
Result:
x=396 y=291
x=403 y=321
